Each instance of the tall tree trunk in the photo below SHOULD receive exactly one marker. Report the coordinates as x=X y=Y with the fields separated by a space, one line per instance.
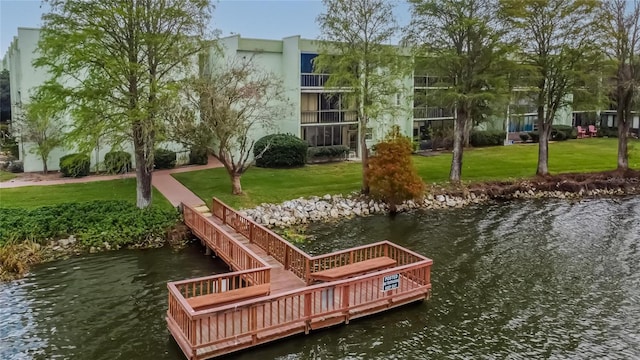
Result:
x=468 y=126
x=45 y=170
x=458 y=138
x=623 y=130
x=144 y=167
x=544 y=130
x=365 y=159
x=236 y=186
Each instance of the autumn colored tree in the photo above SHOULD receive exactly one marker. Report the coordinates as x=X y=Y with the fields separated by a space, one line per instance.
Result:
x=392 y=177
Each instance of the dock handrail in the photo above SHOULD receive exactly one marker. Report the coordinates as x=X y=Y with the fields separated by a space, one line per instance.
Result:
x=234 y=253
x=303 y=306
x=280 y=249
x=296 y=260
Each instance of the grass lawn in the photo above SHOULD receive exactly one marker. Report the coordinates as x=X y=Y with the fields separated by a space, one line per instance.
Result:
x=493 y=163
x=5 y=176
x=34 y=196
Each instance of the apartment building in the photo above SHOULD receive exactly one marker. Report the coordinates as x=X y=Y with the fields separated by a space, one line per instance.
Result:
x=321 y=116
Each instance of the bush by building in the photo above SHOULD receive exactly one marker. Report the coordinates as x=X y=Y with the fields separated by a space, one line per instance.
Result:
x=198 y=156
x=117 y=162
x=75 y=165
x=164 y=159
x=487 y=138
x=327 y=153
x=280 y=151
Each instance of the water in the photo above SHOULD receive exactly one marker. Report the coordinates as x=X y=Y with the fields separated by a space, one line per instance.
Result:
x=515 y=280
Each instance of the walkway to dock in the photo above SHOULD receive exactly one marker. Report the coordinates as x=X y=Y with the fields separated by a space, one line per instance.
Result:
x=276 y=290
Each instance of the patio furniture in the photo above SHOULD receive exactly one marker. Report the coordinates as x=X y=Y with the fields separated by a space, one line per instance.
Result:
x=593 y=131
x=582 y=132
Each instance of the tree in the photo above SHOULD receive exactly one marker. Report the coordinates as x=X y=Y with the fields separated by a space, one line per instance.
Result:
x=462 y=42
x=40 y=123
x=354 y=51
x=392 y=176
x=622 y=44
x=234 y=101
x=558 y=44
x=118 y=62
x=5 y=97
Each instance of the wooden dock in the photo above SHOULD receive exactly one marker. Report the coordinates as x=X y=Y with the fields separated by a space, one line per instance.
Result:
x=273 y=293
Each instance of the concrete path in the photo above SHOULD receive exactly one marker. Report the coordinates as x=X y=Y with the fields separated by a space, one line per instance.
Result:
x=162 y=180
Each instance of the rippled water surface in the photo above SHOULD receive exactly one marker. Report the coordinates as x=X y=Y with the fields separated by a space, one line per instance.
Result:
x=515 y=280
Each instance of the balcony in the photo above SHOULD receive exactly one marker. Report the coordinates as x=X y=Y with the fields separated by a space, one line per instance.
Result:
x=424 y=81
x=328 y=116
x=523 y=109
x=432 y=113
x=313 y=80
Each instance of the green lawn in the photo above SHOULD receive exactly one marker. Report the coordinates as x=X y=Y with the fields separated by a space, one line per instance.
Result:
x=34 y=196
x=5 y=176
x=494 y=163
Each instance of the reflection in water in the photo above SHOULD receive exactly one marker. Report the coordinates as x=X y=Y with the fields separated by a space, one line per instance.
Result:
x=103 y=306
x=530 y=279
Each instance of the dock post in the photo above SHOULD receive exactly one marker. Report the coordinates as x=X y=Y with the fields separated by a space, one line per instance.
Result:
x=207 y=252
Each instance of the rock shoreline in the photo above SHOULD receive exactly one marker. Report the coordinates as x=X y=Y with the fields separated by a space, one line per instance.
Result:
x=334 y=207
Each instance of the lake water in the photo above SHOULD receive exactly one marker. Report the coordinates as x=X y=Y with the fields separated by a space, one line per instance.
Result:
x=518 y=280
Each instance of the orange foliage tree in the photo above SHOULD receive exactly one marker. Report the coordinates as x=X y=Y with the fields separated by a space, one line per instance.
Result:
x=392 y=176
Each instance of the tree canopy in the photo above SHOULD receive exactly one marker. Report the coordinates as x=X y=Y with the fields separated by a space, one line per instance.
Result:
x=115 y=63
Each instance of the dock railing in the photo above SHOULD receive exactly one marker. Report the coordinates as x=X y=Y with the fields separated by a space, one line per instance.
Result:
x=292 y=258
x=299 y=262
x=302 y=308
x=234 y=253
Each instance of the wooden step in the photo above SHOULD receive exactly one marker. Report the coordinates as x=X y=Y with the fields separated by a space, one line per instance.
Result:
x=202 y=208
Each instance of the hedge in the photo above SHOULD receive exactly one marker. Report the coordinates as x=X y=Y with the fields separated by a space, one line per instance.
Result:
x=164 y=159
x=75 y=165
x=280 y=151
x=117 y=162
x=93 y=223
x=198 y=156
x=328 y=153
x=487 y=138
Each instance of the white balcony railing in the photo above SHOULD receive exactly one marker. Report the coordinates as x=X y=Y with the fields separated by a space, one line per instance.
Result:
x=313 y=80
x=432 y=113
x=328 y=116
x=425 y=81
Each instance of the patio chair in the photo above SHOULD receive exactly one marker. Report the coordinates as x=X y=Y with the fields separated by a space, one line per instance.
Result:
x=593 y=131
x=582 y=132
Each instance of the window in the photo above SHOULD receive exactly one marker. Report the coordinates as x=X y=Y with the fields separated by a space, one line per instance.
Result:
x=324 y=135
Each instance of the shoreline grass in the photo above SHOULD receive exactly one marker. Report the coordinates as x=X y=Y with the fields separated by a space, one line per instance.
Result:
x=480 y=164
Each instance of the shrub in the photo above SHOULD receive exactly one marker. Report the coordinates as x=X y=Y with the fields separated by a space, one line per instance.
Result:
x=198 y=156
x=487 y=138
x=535 y=136
x=117 y=162
x=10 y=144
x=608 y=132
x=164 y=159
x=280 y=151
x=75 y=165
x=559 y=136
x=569 y=132
x=392 y=176
x=328 y=153
x=93 y=223
x=524 y=137
x=16 y=167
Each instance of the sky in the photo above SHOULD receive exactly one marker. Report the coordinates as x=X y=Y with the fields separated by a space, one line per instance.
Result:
x=263 y=19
